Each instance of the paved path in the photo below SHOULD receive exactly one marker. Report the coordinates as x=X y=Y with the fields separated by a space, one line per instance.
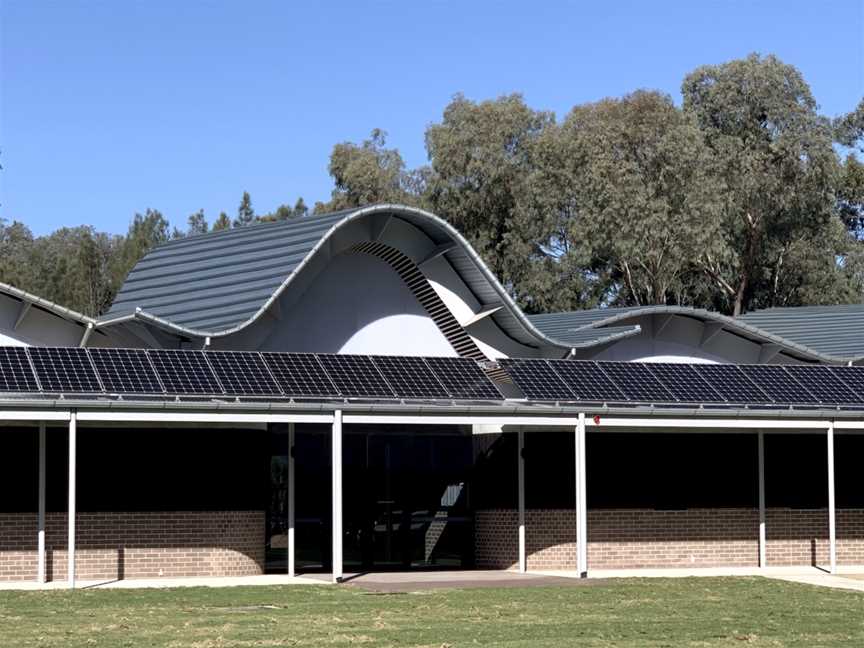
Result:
x=394 y=582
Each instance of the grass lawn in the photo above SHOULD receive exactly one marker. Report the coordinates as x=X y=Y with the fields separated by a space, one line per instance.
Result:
x=638 y=612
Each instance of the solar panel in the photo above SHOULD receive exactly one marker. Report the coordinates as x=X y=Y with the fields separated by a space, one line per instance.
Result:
x=775 y=381
x=684 y=383
x=636 y=382
x=242 y=373
x=536 y=379
x=853 y=377
x=184 y=372
x=731 y=383
x=64 y=370
x=300 y=375
x=824 y=384
x=587 y=381
x=410 y=377
x=125 y=371
x=15 y=372
x=463 y=379
x=355 y=376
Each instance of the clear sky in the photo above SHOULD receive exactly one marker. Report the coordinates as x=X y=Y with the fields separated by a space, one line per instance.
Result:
x=107 y=108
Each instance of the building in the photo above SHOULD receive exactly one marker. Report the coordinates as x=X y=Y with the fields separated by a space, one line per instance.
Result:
x=209 y=463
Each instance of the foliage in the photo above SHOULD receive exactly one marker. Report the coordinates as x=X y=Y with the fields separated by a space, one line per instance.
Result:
x=481 y=157
x=774 y=155
x=245 y=213
x=368 y=173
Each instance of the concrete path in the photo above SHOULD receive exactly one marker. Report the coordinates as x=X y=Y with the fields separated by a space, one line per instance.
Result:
x=849 y=577
x=135 y=583
x=394 y=582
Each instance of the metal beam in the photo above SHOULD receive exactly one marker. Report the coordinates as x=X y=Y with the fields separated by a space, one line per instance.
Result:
x=437 y=252
x=88 y=331
x=40 y=523
x=768 y=351
x=660 y=322
x=710 y=330
x=118 y=416
x=22 y=313
x=71 y=513
x=722 y=424
x=763 y=560
x=336 y=475
x=34 y=415
x=520 y=459
x=291 y=502
x=581 y=501
x=832 y=513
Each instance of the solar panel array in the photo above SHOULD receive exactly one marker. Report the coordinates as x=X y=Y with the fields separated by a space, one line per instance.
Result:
x=184 y=373
x=709 y=385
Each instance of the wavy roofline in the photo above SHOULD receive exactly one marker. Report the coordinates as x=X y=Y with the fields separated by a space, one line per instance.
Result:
x=730 y=323
x=351 y=217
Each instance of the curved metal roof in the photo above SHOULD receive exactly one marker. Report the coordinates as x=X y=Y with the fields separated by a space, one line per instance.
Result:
x=216 y=284
x=825 y=333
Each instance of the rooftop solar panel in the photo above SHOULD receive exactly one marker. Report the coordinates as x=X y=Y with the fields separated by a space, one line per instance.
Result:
x=537 y=380
x=775 y=381
x=684 y=383
x=15 y=372
x=125 y=371
x=410 y=377
x=64 y=370
x=587 y=381
x=731 y=383
x=463 y=379
x=636 y=382
x=853 y=377
x=824 y=384
x=300 y=375
x=184 y=372
x=242 y=373
x=355 y=376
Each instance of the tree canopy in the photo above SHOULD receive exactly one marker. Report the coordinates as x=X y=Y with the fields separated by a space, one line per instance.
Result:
x=743 y=196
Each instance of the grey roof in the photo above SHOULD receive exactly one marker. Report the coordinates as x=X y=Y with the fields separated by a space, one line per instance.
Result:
x=824 y=333
x=832 y=330
x=218 y=283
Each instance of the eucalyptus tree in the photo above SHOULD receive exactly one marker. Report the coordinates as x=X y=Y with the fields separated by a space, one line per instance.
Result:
x=625 y=188
x=773 y=153
x=481 y=155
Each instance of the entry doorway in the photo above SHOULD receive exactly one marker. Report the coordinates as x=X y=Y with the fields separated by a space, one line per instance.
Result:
x=407 y=500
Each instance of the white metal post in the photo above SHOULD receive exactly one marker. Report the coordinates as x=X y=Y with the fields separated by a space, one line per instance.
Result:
x=291 y=512
x=40 y=550
x=581 y=501
x=336 y=447
x=832 y=513
x=73 y=434
x=763 y=553
x=523 y=564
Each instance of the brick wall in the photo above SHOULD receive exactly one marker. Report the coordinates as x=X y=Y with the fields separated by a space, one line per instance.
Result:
x=137 y=545
x=633 y=538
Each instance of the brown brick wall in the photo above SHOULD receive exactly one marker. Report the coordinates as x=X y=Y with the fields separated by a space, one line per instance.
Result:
x=137 y=545
x=619 y=539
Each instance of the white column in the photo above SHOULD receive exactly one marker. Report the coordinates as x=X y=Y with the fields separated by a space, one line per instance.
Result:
x=336 y=447
x=832 y=514
x=40 y=550
x=523 y=564
x=763 y=560
x=73 y=434
x=291 y=510
x=581 y=501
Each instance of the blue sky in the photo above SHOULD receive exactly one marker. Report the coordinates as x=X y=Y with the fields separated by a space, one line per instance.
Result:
x=107 y=108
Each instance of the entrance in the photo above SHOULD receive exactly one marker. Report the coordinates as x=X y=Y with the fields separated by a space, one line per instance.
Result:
x=406 y=499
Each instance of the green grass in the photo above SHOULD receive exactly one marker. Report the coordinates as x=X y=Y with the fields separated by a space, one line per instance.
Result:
x=638 y=612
